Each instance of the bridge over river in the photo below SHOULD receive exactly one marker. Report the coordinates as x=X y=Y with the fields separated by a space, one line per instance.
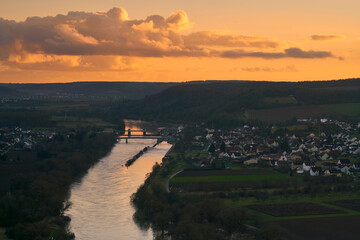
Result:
x=143 y=136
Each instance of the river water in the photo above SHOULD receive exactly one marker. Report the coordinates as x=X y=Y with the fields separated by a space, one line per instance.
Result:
x=101 y=208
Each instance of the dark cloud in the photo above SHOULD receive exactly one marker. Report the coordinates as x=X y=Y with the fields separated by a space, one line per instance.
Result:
x=287 y=53
x=326 y=37
x=290 y=68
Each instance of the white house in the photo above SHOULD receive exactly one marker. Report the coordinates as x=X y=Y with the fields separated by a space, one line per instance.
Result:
x=307 y=166
x=315 y=171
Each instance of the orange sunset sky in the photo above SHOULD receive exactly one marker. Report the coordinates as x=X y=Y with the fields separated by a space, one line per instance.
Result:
x=158 y=40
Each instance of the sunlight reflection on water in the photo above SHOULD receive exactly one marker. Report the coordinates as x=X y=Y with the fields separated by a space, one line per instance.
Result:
x=101 y=208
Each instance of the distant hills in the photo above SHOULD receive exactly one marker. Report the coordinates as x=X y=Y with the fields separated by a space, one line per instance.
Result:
x=231 y=102
x=212 y=102
x=123 y=90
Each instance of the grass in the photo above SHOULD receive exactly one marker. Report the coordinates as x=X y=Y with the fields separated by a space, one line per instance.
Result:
x=280 y=100
x=296 y=199
x=348 y=109
x=292 y=128
x=71 y=121
x=229 y=178
x=62 y=106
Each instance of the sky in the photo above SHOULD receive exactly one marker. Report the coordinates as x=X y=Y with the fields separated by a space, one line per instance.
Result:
x=176 y=41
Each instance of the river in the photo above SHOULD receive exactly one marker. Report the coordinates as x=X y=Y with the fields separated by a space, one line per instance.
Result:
x=101 y=207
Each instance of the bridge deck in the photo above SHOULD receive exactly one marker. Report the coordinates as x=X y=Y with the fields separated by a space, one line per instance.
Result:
x=140 y=137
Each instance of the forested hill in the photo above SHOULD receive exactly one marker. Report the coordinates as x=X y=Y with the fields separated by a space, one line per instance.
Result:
x=123 y=90
x=8 y=92
x=227 y=102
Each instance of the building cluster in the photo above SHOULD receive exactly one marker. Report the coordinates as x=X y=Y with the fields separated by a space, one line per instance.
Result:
x=313 y=153
x=16 y=138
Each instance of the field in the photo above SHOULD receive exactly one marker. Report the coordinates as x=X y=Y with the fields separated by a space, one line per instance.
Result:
x=294 y=209
x=71 y=122
x=353 y=204
x=239 y=175
x=348 y=109
x=254 y=171
x=292 y=128
x=225 y=180
x=327 y=228
x=286 y=113
x=238 y=178
x=280 y=100
x=61 y=106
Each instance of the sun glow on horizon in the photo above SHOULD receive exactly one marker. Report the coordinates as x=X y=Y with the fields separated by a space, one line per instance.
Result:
x=112 y=46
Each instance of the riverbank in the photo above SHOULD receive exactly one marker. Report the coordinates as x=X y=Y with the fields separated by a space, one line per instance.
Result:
x=34 y=205
x=171 y=214
x=102 y=199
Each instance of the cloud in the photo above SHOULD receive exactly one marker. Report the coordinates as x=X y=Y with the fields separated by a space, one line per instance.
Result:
x=287 y=53
x=68 y=40
x=207 y=38
x=289 y=68
x=326 y=37
x=70 y=35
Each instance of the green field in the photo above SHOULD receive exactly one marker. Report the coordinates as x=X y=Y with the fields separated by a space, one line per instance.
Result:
x=70 y=121
x=280 y=100
x=240 y=178
x=62 y=106
x=348 y=109
x=292 y=128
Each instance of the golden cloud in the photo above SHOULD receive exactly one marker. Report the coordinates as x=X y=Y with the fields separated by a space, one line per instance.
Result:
x=67 y=40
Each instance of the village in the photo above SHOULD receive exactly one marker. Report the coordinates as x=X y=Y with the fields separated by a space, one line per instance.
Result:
x=313 y=153
x=19 y=139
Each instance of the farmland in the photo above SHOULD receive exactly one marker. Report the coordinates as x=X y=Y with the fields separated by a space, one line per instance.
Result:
x=348 y=109
x=220 y=180
x=238 y=172
x=280 y=100
x=345 y=228
x=71 y=122
x=282 y=114
x=238 y=178
x=353 y=204
x=294 y=209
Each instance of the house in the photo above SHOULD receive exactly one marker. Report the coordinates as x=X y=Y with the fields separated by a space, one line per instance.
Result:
x=356 y=166
x=308 y=165
x=332 y=172
x=251 y=161
x=224 y=155
x=356 y=152
x=345 y=170
x=324 y=157
x=344 y=162
x=295 y=158
x=296 y=164
x=315 y=171
x=313 y=149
